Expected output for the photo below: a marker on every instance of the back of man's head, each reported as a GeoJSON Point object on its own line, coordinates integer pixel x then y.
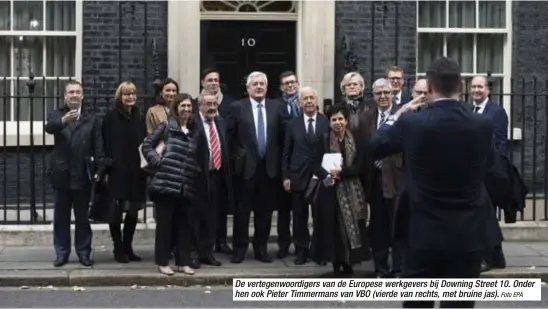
{"type": "Point", "coordinates": [444, 78]}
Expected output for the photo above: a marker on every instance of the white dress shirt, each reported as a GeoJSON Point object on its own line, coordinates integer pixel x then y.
{"type": "Point", "coordinates": [481, 106]}
{"type": "Point", "coordinates": [386, 113]}
{"type": "Point", "coordinates": [313, 122]}
{"type": "Point", "coordinates": [256, 116]}
{"type": "Point", "coordinates": [398, 98]}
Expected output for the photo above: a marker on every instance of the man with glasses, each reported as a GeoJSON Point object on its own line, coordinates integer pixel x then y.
{"type": "Point", "coordinates": [289, 85]}
{"type": "Point", "coordinates": [385, 179]}
{"type": "Point", "coordinates": [395, 76]}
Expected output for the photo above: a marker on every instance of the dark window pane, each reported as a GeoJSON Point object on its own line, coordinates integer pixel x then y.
{"type": "Point", "coordinates": [28, 55]}
{"type": "Point", "coordinates": [23, 99]}
{"type": "Point", "coordinates": [28, 15]}
{"type": "Point", "coordinates": [60, 56]}
{"type": "Point", "coordinates": [61, 15]}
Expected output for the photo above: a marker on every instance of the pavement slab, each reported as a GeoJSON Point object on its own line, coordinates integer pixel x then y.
{"type": "Point", "coordinates": [32, 266]}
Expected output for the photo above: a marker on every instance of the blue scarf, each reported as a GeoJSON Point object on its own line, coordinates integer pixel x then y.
{"type": "Point", "coordinates": [293, 101]}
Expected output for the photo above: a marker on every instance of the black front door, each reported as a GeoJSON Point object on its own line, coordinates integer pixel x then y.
{"type": "Point", "coordinates": [237, 48]}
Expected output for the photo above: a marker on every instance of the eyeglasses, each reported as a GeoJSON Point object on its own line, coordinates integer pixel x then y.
{"type": "Point", "coordinates": [386, 93]}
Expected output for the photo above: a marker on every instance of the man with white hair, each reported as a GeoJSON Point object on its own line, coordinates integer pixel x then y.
{"type": "Point", "coordinates": [385, 177]}
{"type": "Point", "coordinates": [301, 135]}
{"type": "Point", "coordinates": [255, 125]}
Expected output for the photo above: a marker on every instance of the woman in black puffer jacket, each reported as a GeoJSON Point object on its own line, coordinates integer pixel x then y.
{"type": "Point", "coordinates": [172, 188]}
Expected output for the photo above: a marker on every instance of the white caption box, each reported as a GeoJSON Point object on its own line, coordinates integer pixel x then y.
{"type": "Point", "coordinates": [386, 289]}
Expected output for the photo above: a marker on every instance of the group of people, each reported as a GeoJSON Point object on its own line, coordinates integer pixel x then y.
{"type": "Point", "coordinates": [407, 178]}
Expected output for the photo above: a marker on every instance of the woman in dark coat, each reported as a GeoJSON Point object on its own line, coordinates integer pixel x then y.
{"type": "Point", "coordinates": [123, 131]}
{"type": "Point", "coordinates": [341, 210]}
{"type": "Point", "coordinates": [173, 186]}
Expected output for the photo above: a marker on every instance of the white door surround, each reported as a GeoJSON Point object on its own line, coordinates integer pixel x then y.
{"type": "Point", "coordinates": [315, 42]}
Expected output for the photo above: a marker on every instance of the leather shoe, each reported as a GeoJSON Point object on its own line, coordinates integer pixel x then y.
{"type": "Point", "coordinates": [85, 261]}
{"type": "Point", "coordinates": [301, 258]}
{"type": "Point", "coordinates": [195, 263]}
{"type": "Point", "coordinates": [283, 253]}
{"type": "Point", "coordinates": [263, 257]}
{"type": "Point", "coordinates": [223, 248]}
{"type": "Point", "coordinates": [237, 258]}
{"type": "Point", "coordinates": [210, 260]}
{"type": "Point", "coordinates": [59, 262]}
{"type": "Point", "coordinates": [485, 267]}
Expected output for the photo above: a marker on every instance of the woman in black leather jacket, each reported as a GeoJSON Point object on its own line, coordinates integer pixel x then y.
{"type": "Point", "coordinates": [172, 188]}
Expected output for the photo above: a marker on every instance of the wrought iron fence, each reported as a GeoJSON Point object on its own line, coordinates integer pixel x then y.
{"type": "Point", "coordinates": [26, 197]}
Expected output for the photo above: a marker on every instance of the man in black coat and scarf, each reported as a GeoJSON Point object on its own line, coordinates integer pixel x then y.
{"type": "Point", "coordinates": [77, 159]}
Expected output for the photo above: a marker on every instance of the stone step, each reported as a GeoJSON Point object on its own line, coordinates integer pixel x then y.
{"type": "Point", "coordinates": [42, 235]}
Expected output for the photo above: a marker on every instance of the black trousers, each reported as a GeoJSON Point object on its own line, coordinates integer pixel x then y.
{"type": "Point", "coordinates": [380, 230]}
{"type": "Point", "coordinates": [207, 216]}
{"type": "Point", "coordinates": [64, 201]}
{"type": "Point", "coordinates": [284, 219]}
{"type": "Point", "coordinates": [301, 233]}
{"type": "Point", "coordinates": [426, 264]}
{"type": "Point", "coordinates": [172, 212]}
{"type": "Point", "coordinates": [258, 195]}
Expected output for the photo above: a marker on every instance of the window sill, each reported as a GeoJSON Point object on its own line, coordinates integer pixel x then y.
{"type": "Point", "coordinates": [18, 134]}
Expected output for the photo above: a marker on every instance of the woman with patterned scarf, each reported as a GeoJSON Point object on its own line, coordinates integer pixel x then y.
{"type": "Point", "coordinates": [341, 210]}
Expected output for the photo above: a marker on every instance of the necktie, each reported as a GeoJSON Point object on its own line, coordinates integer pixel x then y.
{"type": "Point", "coordinates": [310, 130]}
{"type": "Point", "coordinates": [382, 120]}
{"type": "Point", "coordinates": [378, 163]}
{"type": "Point", "coordinates": [261, 138]}
{"type": "Point", "coordinates": [476, 110]}
{"type": "Point", "coordinates": [394, 100]}
{"type": "Point", "coordinates": [214, 144]}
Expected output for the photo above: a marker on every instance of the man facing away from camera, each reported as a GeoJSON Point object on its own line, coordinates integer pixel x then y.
{"type": "Point", "coordinates": [448, 151]}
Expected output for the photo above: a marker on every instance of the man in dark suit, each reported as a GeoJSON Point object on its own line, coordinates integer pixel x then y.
{"type": "Point", "coordinates": [216, 188]}
{"type": "Point", "coordinates": [448, 151]}
{"type": "Point", "coordinates": [289, 85]}
{"type": "Point", "coordinates": [385, 179]}
{"type": "Point", "coordinates": [77, 151]}
{"type": "Point", "coordinates": [396, 78]}
{"type": "Point", "coordinates": [301, 135]}
{"type": "Point", "coordinates": [211, 82]}
{"type": "Point", "coordinates": [256, 126]}
{"type": "Point", "coordinates": [494, 255]}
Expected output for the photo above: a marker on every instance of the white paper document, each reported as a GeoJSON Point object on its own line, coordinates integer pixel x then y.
{"type": "Point", "coordinates": [331, 161]}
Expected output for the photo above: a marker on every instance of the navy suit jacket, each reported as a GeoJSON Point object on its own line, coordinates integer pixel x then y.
{"type": "Point", "coordinates": [405, 98]}
{"type": "Point", "coordinates": [447, 151]}
{"type": "Point", "coordinates": [497, 114]}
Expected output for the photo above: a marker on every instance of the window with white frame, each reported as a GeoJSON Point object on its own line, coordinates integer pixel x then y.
{"type": "Point", "coordinates": [41, 37]}
{"type": "Point", "coordinates": [477, 34]}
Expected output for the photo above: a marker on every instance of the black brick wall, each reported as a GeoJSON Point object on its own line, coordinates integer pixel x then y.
{"type": "Point", "coordinates": [101, 64]}
{"type": "Point", "coordinates": [386, 28]}
{"type": "Point", "coordinates": [529, 62]}
{"type": "Point", "coordinates": [368, 26]}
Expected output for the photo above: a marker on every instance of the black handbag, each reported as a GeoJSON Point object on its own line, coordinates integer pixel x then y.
{"type": "Point", "coordinates": [312, 191]}
{"type": "Point", "coordinates": [103, 207]}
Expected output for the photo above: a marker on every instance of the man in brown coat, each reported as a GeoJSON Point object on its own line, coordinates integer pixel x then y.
{"type": "Point", "coordinates": [384, 179]}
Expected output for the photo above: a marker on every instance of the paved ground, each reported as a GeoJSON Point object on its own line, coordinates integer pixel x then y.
{"type": "Point", "coordinates": [32, 266]}
{"type": "Point", "coordinates": [176, 297]}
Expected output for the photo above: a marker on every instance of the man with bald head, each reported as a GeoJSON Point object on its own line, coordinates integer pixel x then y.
{"type": "Point", "coordinates": [301, 136]}
{"type": "Point", "coordinates": [401, 213]}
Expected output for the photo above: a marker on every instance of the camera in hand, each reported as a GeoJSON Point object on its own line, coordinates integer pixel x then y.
{"type": "Point", "coordinates": [73, 105]}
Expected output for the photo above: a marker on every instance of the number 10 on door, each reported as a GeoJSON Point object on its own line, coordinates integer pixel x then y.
{"type": "Point", "coordinates": [248, 42]}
